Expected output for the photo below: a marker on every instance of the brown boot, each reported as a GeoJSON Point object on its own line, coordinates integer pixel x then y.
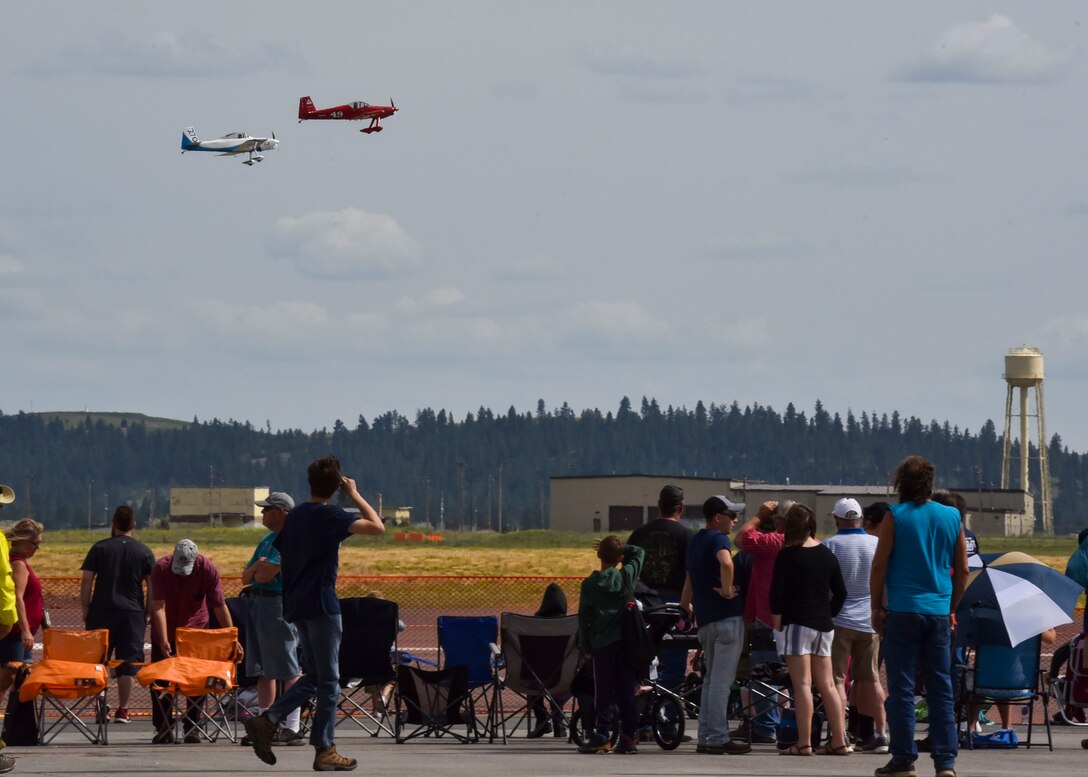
{"type": "Point", "coordinates": [261, 730]}
{"type": "Point", "coordinates": [328, 760]}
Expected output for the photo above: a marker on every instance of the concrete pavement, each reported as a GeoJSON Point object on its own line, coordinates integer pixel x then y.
{"type": "Point", "coordinates": [130, 753]}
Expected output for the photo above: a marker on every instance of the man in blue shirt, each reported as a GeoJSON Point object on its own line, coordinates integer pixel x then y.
{"type": "Point", "coordinates": [309, 546]}
{"type": "Point", "coordinates": [719, 613]}
{"type": "Point", "coordinates": [918, 577]}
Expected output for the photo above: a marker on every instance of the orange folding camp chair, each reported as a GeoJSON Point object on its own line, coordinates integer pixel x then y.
{"type": "Point", "coordinates": [71, 681]}
{"type": "Point", "coordinates": [203, 674]}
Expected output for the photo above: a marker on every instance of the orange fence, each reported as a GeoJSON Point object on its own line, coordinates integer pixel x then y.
{"type": "Point", "coordinates": [421, 598]}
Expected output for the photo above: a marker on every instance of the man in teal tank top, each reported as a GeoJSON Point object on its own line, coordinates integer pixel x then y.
{"type": "Point", "coordinates": [918, 577]}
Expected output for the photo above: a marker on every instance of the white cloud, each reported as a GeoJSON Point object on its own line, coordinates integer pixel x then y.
{"type": "Point", "coordinates": [516, 90]}
{"type": "Point", "coordinates": [527, 268]}
{"type": "Point", "coordinates": [349, 243]}
{"type": "Point", "coordinates": [436, 298]}
{"type": "Point", "coordinates": [291, 324]}
{"type": "Point", "coordinates": [9, 265]}
{"type": "Point", "coordinates": [758, 89]}
{"type": "Point", "coordinates": [614, 321]}
{"type": "Point", "coordinates": [636, 64]}
{"type": "Point", "coordinates": [993, 51]}
{"type": "Point", "coordinates": [758, 245]}
{"type": "Point", "coordinates": [165, 54]}
{"type": "Point", "coordinates": [1068, 330]}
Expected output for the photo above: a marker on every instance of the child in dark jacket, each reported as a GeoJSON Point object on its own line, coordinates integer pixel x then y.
{"type": "Point", "coordinates": [605, 595]}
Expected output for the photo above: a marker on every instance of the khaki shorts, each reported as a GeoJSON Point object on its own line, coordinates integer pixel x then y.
{"type": "Point", "coordinates": [862, 648]}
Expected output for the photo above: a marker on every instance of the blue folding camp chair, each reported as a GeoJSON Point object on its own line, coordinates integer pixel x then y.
{"type": "Point", "coordinates": [466, 641]}
{"type": "Point", "coordinates": [1009, 674]}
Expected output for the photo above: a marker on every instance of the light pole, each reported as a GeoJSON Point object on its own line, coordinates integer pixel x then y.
{"type": "Point", "coordinates": [461, 476]}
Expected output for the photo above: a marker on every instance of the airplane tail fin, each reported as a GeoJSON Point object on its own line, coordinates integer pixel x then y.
{"type": "Point", "coordinates": [305, 107]}
{"type": "Point", "coordinates": [189, 139]}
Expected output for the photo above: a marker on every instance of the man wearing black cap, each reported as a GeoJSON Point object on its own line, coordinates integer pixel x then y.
{"type": "Point", "coordinates": [665, 541]}
{"type": "Point", "coordinates": [719, 611]}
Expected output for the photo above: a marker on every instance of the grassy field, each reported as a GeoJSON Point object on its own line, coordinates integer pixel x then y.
{"type": "Point", "coordinates": [460, 553]}
{"type": "Point", "coordinates": [481, 553]}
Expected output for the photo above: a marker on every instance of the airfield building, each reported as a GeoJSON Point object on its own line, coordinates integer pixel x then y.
{"type": "Point", "coordinates": [217, 506]}
{"type": "Point", "coordinates": [620, 503]}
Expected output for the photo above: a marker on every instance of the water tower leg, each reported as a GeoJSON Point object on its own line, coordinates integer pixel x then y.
{"type": "Point", "coordinates": [1025, 442]}
{"type": "Point", "coordinates": [1007, 453]}
{"type": "Point", "coordinates": [1044, 462]}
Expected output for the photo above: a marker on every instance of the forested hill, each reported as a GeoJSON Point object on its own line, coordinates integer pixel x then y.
{"type": "Point", "coordinates": [435, 461]}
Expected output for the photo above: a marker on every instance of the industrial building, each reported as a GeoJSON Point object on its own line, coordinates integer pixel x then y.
{"type": "Point", "coordinates": [217, 506]}
{"type": "Point", "coordinates": [620, 503]}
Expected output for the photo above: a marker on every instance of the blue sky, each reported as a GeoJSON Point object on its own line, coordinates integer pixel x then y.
{"type": "Point", "coordinates": [866, 204]}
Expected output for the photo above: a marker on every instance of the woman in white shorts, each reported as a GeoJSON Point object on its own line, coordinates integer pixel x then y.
{"type": "Point", "coordinates": [807, 590]}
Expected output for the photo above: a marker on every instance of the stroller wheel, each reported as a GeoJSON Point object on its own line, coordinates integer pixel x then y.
{"type": "Point", "coordinates": [668, 723]}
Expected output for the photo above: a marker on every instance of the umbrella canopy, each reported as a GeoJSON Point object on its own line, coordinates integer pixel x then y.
{"type": "Point", "coordinates": [1030, 596]}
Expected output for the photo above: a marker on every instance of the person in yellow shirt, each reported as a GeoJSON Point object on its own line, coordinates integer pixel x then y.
{"type": "Point", "coordinates": [9, 616]}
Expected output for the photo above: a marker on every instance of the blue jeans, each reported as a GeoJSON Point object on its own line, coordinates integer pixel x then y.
{"type": "Point", "coordinates": [722, 643]}
{"type": "Point", "coordinates": [911, 640]}
{"type": "Point", "coordinates": [320, 641]}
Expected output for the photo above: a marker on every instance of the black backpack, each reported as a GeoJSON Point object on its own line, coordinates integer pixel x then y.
{"type": "Point", "coordinates": [638, 642]}
{"type": "Point", "coordinates": [20, 721]}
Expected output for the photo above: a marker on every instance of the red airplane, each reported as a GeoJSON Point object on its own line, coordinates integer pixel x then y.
{"type": "Point", "coordinates": [352, 112]}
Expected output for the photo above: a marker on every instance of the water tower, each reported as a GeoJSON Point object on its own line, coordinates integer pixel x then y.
{"type": "Point", "coordinates": [1024, 371]}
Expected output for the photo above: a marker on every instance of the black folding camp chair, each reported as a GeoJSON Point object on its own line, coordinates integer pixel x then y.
{"type": "Point", "coordinates": [540, 658]}
{"type": "Point", "coordinates": [432, 702]}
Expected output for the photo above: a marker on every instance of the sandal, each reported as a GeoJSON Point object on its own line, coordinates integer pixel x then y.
{"type": "Point", "coordinates": [796, 750]}
{"type": "Point", "coordinates": [841, 750]}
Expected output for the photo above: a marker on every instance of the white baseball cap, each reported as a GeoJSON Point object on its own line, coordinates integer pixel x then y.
{"type": "Point", "coordinates": [847, 510]}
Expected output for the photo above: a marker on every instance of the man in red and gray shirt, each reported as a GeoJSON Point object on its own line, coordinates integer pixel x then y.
{"type": "Point", "coordinates": [184, 586]}
{"type": "Point", "coordinates": [761, 538]}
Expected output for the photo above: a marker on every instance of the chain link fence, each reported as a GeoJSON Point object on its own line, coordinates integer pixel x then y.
{"type": "Point", "coordinates": [421, 600]}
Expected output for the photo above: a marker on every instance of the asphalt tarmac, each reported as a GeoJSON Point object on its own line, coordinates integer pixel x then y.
{"type": "Point", "coordinates": [131, 753]}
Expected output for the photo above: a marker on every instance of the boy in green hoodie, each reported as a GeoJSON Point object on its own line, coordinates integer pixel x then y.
{"type": "Point", "coordinates": [604, 596]}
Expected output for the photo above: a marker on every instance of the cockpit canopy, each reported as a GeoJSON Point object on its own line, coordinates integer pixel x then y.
{"type": "Point", "coordinates": [360, 105]}
{"type": "Point", "coordinates": [236, 135]}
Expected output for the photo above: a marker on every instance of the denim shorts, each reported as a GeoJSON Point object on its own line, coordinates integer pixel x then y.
{"type": "Point", "coordinates": [11, 648]}
{"type": "Point", "coordinates": [271, 642]}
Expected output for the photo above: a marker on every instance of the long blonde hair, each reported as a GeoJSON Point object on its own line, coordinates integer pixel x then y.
{"type": "Point", "coordinates": [26, 530]}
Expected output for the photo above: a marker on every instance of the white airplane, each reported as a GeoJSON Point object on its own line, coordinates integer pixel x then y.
{"type": "Point", "coordinates": [230, 145]}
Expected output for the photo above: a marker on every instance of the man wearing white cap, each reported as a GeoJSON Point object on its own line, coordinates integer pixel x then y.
{"type": "Point", "coordinates": [184, 587]}
{"type": "Point", "coordinates": [854, 638]}
{"type": "Point", "coordinates": [272, 642]}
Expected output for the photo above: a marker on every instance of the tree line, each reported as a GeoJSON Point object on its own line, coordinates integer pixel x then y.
{"type": "Point", "coordinates": [452, 471]}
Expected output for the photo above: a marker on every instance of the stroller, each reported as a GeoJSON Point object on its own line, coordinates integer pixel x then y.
{"type": "Point", "coordinates": [661, 710]}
